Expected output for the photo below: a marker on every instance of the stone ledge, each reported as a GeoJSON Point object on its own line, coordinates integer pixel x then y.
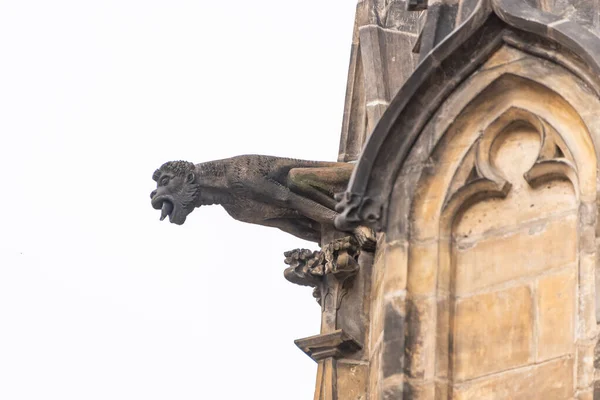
{"type": "Point", "coordinates": [336, 344]}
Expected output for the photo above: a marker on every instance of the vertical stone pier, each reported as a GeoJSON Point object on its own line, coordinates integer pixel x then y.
{"type": "Point", "coordinates": [381, 59]}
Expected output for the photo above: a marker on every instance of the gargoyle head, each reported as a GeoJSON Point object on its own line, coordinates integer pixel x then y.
{"type": "Point", "coordinates": [176, 191]}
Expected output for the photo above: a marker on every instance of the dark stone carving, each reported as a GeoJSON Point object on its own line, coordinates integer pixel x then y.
{"type": "Point", "coordinates": [305, 268]}
{"type": "Point", "coordinates": [295, 196]}
{"type": "Point", "coordinates": [336, 344]}
{"type": "Point", "coordinates": [331, 272]}
{"type": "Point", "coordinates": [309, 268]}
{"type": "Point", "coordinates": [355, 209]}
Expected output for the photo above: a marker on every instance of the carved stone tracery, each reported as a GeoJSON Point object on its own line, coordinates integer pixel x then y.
{"type": "Point", "coordinates": [483, 179]}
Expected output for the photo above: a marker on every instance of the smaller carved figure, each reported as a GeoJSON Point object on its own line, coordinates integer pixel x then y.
{"type": "Point", "coordinates": [308, 268]}
{"type": "Point", "coordinates": [295, 196]}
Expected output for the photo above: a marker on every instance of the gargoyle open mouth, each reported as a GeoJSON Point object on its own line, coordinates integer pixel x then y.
{"type": "Point", "coordinates": [166, 209]}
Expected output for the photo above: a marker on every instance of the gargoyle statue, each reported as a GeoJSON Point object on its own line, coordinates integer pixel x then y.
{"type": "Point", "coordinates": [295, 196]}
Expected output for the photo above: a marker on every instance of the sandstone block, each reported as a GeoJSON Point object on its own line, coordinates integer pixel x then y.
{"type": "Point", "coordinates": [352, 380]}
{"type": "Point", "coordinates": [587, 328]}
{"type": "Point", "coordinates": [550, 380]}
{"type": "Point", "coordinates": [393, 387]}
{"type": "Point", "coordinates": [503, 56]}
{"type": "Point", "coordinates": [375, 378]}
{"type": "Point", "coordinates": [585, 366]}
{"type": "Point", "coordinates": [396, 263]}
{"type": "Point", "coordinates": [423, 264]}
{"type": "Point", "coordinates": [419, 390]}
{"type": "Point", "coordinates": [420, 338]}
{"type": "Point", "coordinates": [556, 315]}
{"type": "Point", "coordinates": [494, 332]}
{"type": "Point", "coordinates": [502, 258]}
{"type": "Point", "coordinates": [523, 204]}
{"type": "Point", "coordinates": [392, 362]}
{"type": "Point", "coordinates": [377, 316]}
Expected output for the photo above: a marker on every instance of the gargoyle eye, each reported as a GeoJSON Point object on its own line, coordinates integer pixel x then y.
{"type": "Point", "coordinates": [164, 181]}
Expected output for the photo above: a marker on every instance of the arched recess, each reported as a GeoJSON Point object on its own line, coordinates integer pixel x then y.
{"type": "Point", "coordinates": [500, 222]}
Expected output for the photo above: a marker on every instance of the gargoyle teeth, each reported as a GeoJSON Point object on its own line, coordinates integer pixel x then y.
{"type": "Point", "coordinates": [167, 209]}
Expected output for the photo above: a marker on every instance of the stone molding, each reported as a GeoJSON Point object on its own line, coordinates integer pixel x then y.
{"type": "Point", "coordinates": [336, 344]}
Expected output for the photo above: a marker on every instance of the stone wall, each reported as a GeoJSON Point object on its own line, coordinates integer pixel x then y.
{"type": "Point", "coordinates": [483, 282]}
{"type": "Point", "coordinates": [480, 176]}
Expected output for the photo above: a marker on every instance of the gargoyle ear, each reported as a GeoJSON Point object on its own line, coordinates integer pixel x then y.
{"type": "Point", "coordinates": [190, 177]}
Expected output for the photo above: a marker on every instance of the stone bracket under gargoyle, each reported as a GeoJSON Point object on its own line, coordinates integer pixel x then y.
{"type": "Point", "coordinates": [328, 271]}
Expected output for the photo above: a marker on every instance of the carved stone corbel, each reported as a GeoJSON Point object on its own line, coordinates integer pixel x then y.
{"type": "Point", "coordinates": [330, 272]}
{"type": "Point", "coordinates": [305, 269]}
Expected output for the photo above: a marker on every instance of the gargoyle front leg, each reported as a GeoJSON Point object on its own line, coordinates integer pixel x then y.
{"type": "Point", "coordinates": [310, 209]}
{"type": "Point", "coordinates": [364, 235]}
{"type": "Point", "coordinates": [277, 194]}
{"type": "Point", "coordinates": [321, 183]}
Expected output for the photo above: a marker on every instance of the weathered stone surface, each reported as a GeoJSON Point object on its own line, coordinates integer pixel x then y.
{"type": "Point", "coordinates": [423, 261]}
{"type": "Point", "coordinates": [381, 61]}
{"type": "Point", "coordinates": [587, 395]}
{"type": "Point", "coordinates": [444, 330]}
{"type": "Point", "coordinates": [375, 375]}
{"type": "Point", "coordinates": [354, 312]}
{"type": "Point", "coordinates": [597, 390]}
{"type": "Point", "coordinates": [396, 267]}
{"type": "Point", "coordinates": [377, 297]}
{"type": "Point", "coordinates": [352, 380]}
{"type": "Point", "coordinates": [583, 11]}
{"type": "Point", "coordinates": [526, 252]}
{"type": "Point", "coordinates": [588, 293]}
{"type": "Point", "coordinates": [585, 365]}
{"type": "Point", "coordinates": [494, 332]}
{"type": "Point", "coordinates": [550, 380]}
{"type": "Point", "coordinates": [508, 55]}
{"type": "Point", "coordinates": [440, 21]}
{"type": "Point", "coordinates": [393, 387]}
{"type": "Point", "coordinates": [556, 315]}
{"type": "Point", "coordinates": [394, 336]}
{"type": "Point", "coordinates": [336, 344]}
{"type": "Point", "coordinates": [522, 205]}
{"type": "Point", "coordinates": [420, 337]}
{"type": "Point", "coordinates": [419, 390]}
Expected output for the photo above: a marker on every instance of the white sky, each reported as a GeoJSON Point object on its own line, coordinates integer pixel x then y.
{"type": "Point", "coordinates": [98, 299]}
